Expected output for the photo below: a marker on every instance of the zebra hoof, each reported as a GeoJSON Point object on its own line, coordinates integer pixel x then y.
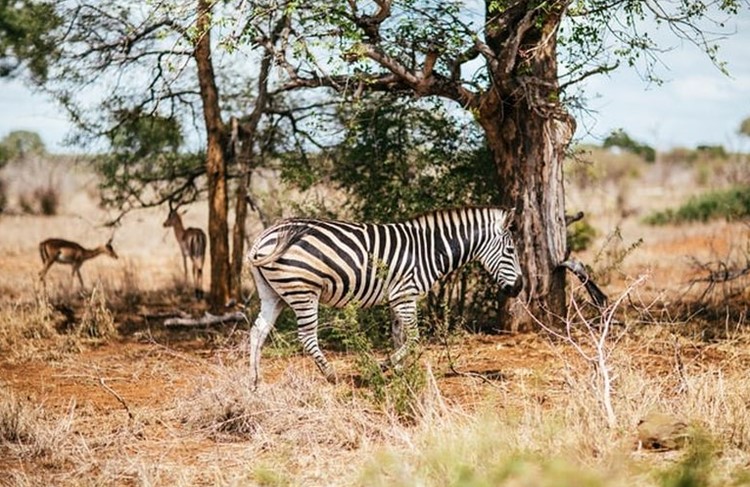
{"type": "Point", "coordinates": [386, 365]}
{"type": "Point", "coordinates": [331, 377]}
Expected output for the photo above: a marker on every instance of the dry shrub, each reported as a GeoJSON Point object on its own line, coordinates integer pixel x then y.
{"type": "Point", "coordinates": [16, 420]}
{"type": "Point", "coordinates": [26, 432]}
{"type": "Point", "coordinates": [296, 409]}
{"type": "Point", "coordinates": [48, 199]}
{"type": "Point", "coordinates": [97, 320]}
{"type": "Point", "coordinates": [41, 200]}
{"type": "Point", "coordinates": [39, 183]}
{"type": "Point", "coordinates": [26, 328]}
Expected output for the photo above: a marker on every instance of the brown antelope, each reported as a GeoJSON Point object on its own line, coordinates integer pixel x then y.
{"type": "Point", "coordinates": [66, 252]}
{"type": "Point", "coordinates": [192, 244]}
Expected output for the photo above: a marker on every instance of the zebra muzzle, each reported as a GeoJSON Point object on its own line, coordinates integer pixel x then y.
{"type": "Point", "coordinates": [514, 289]}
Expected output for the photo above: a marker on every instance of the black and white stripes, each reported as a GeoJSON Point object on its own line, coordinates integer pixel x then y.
{"type": "Point", "coordinates": [304, 262]}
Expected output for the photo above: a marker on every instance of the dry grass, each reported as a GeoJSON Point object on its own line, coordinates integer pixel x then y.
{"type": "Point", "coordinates": [94, 390]}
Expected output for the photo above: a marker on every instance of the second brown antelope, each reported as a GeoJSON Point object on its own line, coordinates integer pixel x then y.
{"type": "Point", "coordinates": [192, 244]}
{"type": "Point", "coordinates": [66, 252]}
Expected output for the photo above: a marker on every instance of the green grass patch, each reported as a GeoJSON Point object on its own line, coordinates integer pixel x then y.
{"type": "Point", "coordinates": [732, 203]}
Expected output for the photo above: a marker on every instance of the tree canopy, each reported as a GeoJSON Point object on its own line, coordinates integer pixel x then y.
{"type": "Point", "coordinates": [25, 40]}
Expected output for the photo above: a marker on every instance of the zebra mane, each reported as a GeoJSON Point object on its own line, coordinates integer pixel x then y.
{"type": "Point", "coordinates": [507, 213]}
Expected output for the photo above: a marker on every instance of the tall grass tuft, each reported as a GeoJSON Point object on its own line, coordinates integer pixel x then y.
{"type": "Point", "coordinates": [26, 432]}
{"type": "Point", "coordinates": [26, 328]}
{"type": "Point", "coordinates": [97, 320]}
{"type": "Point", "coordinates": [16, 420]}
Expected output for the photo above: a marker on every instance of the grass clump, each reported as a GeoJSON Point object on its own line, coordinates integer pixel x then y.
{"type": "Point", "coordinates": [732, 203]}
{"type": "Point", "coordinates": [485, 450]}
{"type": "Point", "coordinates": [695, 468]}
{"type": "Point", "coordinates": [16, 420]}
{"type": "Point", "coordinates": [27, 328]}
{"type": "Point", "coordinates": [98, 320]}
{"type": "Point", "coordinates": [26, 432]}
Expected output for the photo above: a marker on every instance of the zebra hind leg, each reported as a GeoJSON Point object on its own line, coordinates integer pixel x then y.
{"type": "Point", "coordinates": [270, 307]}
{"type": "Point", "coordinates": [405, 324]}
{"type": "Point", "coordinates": [307, 331]}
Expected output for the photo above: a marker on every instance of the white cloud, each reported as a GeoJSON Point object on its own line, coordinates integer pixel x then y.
{"type": "Point", "coordinates": [707, 88]}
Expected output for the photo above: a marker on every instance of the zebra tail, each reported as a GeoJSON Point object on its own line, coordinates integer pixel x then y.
{"type": "Point", "coordinates": [287, 237]}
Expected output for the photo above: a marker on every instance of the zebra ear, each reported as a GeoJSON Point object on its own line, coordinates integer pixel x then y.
{"type": "Point", "coordinates": [510, 220]}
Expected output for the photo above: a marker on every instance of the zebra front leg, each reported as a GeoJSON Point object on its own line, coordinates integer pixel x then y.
{"type": "Point", "coordinates": [398, 336]}
{"type": "Point", "coordinates": [269, 312]}
{"type": "Point", "coordinates": [307, 331]}
{"type": "Point", "coordinates": [405, 323]}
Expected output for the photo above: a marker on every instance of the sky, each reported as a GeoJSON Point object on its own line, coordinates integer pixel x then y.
{"type": "Point", "coordinates": [696, 105]}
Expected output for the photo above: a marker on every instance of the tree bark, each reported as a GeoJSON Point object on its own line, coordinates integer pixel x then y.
{"type": "Point", "coordinates": [218, 228]}
{"type": "Point", "coordinates": [527, 132]}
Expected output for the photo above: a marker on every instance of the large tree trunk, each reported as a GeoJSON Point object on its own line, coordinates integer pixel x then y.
{"type": "Point", "coordinates": [529, 164]}
{"type": "Point", "coordinates": [527, 132]}
{"type": "Point", "coordinates": [218, 228]}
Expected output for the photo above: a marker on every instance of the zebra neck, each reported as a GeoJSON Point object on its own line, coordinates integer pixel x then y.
{"type": "Point", "coordinates": [462, 250]}
{"type": "Point", "coordinates": [452, 249]}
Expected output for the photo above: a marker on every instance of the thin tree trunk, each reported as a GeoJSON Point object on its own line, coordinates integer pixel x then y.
{"type": "Point", "coordinates": [245, 133]}
{"type": "Point", "coordinates": [218, 228]}
{"type": "Point", "coordinates": [243, 155]}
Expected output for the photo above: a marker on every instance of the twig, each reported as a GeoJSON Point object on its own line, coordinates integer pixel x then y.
{"type": "Point", "coordinates": [207, 319]}
{"type": "Point", "coordinates": [680, 366]}
{"type": "Point", "coordinates": [117, 396]}
{"type": "Point", "coordinates": [597, 338]}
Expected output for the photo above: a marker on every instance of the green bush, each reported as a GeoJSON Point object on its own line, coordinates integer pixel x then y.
{"type": "Point", "coordinates": [731, 204]}
{"type": "Point", "coordinates": [580, 235]}
{"type": "Point", "coordinates": [618, 138]}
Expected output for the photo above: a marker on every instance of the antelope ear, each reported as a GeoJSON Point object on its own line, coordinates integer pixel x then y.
{"type": "Point", "coordinates": [182, 212]}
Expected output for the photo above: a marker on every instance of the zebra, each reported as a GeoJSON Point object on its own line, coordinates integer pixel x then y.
{"type": "Point", "coordinates": [303, 262]}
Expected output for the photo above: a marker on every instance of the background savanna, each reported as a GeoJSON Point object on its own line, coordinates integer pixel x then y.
{"type": "Point", "coordinates": [97, 390]}
{"type": "Point", "coordinates": [352, 110]}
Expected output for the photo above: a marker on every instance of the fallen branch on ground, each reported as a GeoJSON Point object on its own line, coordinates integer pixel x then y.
{"type": "Point", "coordinates": [207, 319]}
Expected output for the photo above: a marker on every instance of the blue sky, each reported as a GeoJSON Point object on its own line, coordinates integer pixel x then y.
{"type": "Point", "coordinates": [697, 104]}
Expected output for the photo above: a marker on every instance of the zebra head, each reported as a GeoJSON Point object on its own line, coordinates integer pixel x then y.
{"type": "Point", "coordinates": [499, 257]}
